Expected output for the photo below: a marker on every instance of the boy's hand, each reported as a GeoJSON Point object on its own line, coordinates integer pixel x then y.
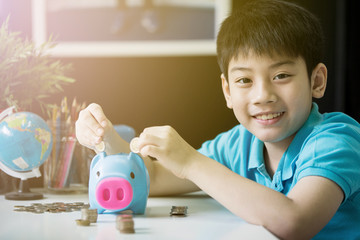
{"type": "Point", "coordinates": [92, 126]}
{"type": "Point", "coordinates": [167, 146]}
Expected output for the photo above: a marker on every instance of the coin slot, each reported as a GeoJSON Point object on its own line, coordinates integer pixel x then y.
{"type": "Point", "coordinates": [106, 194]}
{"type": "Point", "coordinates": [132, 175]}
{"type": "Point", "coordinates": [120, 194]}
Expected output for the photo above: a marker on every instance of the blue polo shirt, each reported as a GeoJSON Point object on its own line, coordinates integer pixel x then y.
{"type": "Point", "coordinates": [327, 145]}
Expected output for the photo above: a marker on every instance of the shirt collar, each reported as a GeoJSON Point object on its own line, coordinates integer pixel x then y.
{"type": "Point", "coordinates": [287, 163]}
{"type": "Point", "coordinates": [291, 154]}
{"type": "Point", "coordinates": [256, 158]}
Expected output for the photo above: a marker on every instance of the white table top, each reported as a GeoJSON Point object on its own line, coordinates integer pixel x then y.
{"type": "Point", "coordinates": [206, 219]}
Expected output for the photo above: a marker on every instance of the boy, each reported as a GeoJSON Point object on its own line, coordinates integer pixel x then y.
{"type": "Point", "coordinates": [286, 166]}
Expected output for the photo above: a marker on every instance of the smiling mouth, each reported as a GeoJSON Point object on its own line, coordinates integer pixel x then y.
{"type": "Point", "coordinates": [269, 116]}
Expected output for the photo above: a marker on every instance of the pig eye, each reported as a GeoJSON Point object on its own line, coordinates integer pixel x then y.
{"type": "Point", "coordinates": [132, 175]}
{"type": "Point", "coordinates": [98, 173]}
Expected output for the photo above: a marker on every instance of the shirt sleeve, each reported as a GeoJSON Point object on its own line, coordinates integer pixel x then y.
{"type": "Point", "coordinates": [231, 148]}
{"type": "Point", "coordinates": [217, 148]}
{"type": "Point", "coordinates": [333, 152]}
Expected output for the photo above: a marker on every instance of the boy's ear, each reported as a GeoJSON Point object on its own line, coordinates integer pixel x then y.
{"type": "Point", "coordinates": [226, 91]}
{"type": "Point", "coordinates": [319, 80]}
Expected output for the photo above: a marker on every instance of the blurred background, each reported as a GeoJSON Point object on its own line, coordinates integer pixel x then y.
{"type": "Point", "coordinates": [141, 86]}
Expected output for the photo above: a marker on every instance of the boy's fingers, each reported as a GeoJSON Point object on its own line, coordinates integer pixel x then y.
{"type": "Point", "coordinates": [89, 130]}
{"type": "Point", "coordinates": [98, 114]}
{"type": "Point", "coordinates": [149, 151]}
{"type": "Point", "coordinates": [88, 137]}
{"type": "Point", "coordinates": [85, 132]}
{"type": "Point", "coordinates": [87, 120]}
{"type": "Point", "coordinates": [149, 138]}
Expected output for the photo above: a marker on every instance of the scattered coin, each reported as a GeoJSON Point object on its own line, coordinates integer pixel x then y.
{"type": "Point", "coordinates": [89, 214]}
{"type": "Point", "coordinates": [100, 147]}
{"type": "Point", "coordinates": [39, 211]}
{"type": "Point", "coordinates": [56, 207]}
{"type": "Point", "coordinates": [82, 222]}
{"type": "Point", "coordinates": [178, 211]}
{"type": "Point", "coordinates": [20, 208]}
{"type": "Point", "coordinates": [134, 145]}
{"type": "Point", "coordinates": [125, 223]}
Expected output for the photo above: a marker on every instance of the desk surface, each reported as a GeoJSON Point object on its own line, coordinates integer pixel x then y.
{"type": "Point", "coordinates": [206, 219]}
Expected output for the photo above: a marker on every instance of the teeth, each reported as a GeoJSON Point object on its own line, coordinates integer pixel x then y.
{"type": "Point", "coordinates": [268, 116]}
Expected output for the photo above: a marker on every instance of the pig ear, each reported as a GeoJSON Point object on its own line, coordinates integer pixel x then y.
{"type": "Point", "coordinates": [97, 158]}
{"type": "Point", "coordinates": [135, 157]}
{"type": "Point", "coordinates": [132, 156]}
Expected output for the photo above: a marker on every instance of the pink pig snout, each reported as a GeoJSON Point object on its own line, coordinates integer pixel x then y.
{"type": "Point", "coordinates": [114, 193]}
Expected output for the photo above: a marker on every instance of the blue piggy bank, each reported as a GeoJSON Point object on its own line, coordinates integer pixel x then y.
{"type": "Point", "coordinates": [118, 182]}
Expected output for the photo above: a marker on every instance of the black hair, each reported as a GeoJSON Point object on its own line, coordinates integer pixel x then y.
{"type": "Point", "coordinates": [268, 27]}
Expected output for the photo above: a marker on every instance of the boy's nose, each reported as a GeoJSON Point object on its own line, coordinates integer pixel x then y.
{"type": "Point", "coordinates": [263, 93]}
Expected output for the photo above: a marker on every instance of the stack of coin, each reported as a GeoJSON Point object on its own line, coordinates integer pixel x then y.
{"type": "Point", "coordinates": [89, 214]}
{"type": "Point", "coordinates": [82, 222]}
{"type": "Point", "coordinates": [125, 223]}
{"type": "Point", "coordinates": [178, 211]}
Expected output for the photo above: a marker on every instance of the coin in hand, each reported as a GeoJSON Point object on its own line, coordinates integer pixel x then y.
{"type": "Point", "coordinates": [134, 145]}
{"type": "Point", "coordinates": [100, 147]}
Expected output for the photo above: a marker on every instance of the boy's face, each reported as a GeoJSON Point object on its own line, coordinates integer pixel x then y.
{"type": "Point", "coordinates": [271, 97]}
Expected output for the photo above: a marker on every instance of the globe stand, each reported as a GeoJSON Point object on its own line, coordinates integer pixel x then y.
{"type": "Point", "coordinates": [23, 193]}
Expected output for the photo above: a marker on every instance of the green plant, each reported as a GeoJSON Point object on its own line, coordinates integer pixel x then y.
{"type": "Point", "coordinates": [28, 73]}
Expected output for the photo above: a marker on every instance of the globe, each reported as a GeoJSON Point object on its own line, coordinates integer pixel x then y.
{"type": "Point", "coordinates": [25, 143]}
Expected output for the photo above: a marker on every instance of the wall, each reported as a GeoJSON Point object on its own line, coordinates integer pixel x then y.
{"type": "Point", "coordinates": [184, 92]}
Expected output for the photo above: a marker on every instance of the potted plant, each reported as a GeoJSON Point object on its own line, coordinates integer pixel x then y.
{"type": "Point", "coordinates": [28, 74]}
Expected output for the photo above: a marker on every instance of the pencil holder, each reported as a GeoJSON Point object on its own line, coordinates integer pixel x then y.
{"type": "Point", "coordinates": [67, 168]}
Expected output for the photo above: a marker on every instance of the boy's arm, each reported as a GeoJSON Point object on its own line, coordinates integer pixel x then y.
{"type": "Point", "coordinates": [163, 182]}
{"type": "Point", "coordinates": [303, 213]}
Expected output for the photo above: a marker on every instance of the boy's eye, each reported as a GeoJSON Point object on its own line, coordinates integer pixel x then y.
{"type": "Point", "coordinates": [281, 76]}
{"type": "Point", "coordinates": [243, 80]}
